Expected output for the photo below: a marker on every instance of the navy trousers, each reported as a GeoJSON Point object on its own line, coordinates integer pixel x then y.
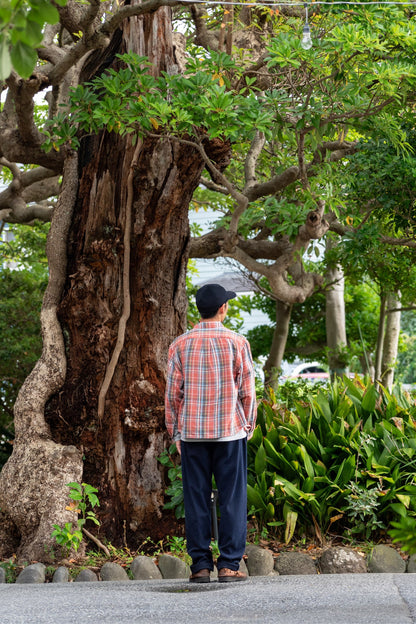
{"type": "Point", "coordinates": [227, 461]}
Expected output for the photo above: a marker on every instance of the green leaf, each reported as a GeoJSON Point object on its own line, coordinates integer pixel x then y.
{"type": "Point", "coordinates": [307, 461]}
{"type": "Point", "coordinates": [369, 398]}
{"type": "Point", "coordinates": [254, 498]}
{"type": "Point", "coordinates": [291, 519]}
{"type": "Point", "coordinates": [33, 33]}
{"type": "Point", "coordinates": [89, 488]}
{"type": "Point", "coordinates": [269, 513]}
{"type": "Point", "coordinates": [24, 59]}
{"type": "Point", "coordinates": [5, 60]}
{"type": "Point", "coordinates": [75, 495]}
{"type": "Point", "coordinates": [405, 499]}
{"type": "Point", "coordinates": [260, 461]}
{"type": "Point", "coordinates": [75, 486]}
{"type": "Point", "coordinates": [44, 11]}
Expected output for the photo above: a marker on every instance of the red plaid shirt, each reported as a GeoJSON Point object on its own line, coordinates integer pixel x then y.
{"type": "Point", "coordinates": [210, 389]}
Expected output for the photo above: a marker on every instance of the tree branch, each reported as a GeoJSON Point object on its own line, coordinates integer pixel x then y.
{"type": "Point", "coordinates": [210, 184]}
{"type": "Point", "coordinates": [25, 198]}
{"type": "Point", "coordinates": [252, 157]}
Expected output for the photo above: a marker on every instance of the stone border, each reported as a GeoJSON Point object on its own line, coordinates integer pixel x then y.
{"type": "Point", "coordinates": [257, 562]}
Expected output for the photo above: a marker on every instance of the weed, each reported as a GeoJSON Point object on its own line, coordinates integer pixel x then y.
{"type": "Point", "coordinates": [81, 495]}
{"type": "Point", "coordinates": [361, 510]}
{"type": "Point", "coordinates": [11, 569]}
{"type": "Point", "coordinates": [174, 490]}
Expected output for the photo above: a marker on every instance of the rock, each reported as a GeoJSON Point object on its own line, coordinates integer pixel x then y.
{"type": "Point", "coordinates": [411, 564]}
{"type": "Point", "coordinates": [259, 561]}
{"type": "Point", "coordinates": [342, 561]}
{"type": "Point", "coordinates": [294, 563]}
{"type": "Point", "coordinates": [86, 576]}
{"type": "Point", "coordinates": [173, 568]}
{"type": "Point", "coordinates": [2, 575]}
{"type": "Point", "coordinates": [144, 569]}
{"type": "Point", "coordinates": [34, 573]}
{"type": "Point", "coordinates": [113, 572]}
{"type": "Point", "coordinates": [61, 575]}
{"type": "Point", "coordinates": [242, 567]}
{"type": "Point", "coordinates": [385, 559]}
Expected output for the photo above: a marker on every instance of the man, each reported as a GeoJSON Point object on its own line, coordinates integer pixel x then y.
{"type": "Point", "coordinates": [210, 411]}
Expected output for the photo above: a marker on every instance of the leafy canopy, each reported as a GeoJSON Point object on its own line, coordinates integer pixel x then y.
{"type": "Point", "coordinates": [21, 32]}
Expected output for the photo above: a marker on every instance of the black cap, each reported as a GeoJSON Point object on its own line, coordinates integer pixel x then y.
{"type": "Point", "coordinates": [211, 297]}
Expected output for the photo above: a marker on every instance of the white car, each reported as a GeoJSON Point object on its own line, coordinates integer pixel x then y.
{"type": "Point", "coordinates": [311, 371]}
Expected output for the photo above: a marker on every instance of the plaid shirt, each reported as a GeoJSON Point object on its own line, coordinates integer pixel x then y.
{"type": "Point", "coordinates": [210, 384]}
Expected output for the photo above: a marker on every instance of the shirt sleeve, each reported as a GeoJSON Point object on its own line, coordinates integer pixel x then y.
{"type": "Point", "coordinates": [174, 394]}
{"type": "Point", "coordinates": [247, 389]}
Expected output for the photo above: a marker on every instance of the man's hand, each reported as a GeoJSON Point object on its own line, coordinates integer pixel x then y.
{"type": "Point", "coordinates": [178, 446]}
{"type": "Point", "coordinates": [247, 428]}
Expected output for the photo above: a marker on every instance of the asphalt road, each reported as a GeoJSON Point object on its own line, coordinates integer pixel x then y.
{"type": "Point", "coordinates": [320, 599]}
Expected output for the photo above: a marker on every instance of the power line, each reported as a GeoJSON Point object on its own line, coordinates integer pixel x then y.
{"type": "Point", "coordinates": [301, 4]}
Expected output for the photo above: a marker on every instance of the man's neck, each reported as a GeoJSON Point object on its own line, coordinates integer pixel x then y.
{"type": "Point", "coordinates": [214, 319]}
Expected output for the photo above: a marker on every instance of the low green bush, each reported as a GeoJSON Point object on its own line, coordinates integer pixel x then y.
{"type": "Point", "coordinates": [343, 459]}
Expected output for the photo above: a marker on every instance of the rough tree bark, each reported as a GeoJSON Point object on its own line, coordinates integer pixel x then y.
{"type": "Point", "coordinates": [120, 447]}
{"type": "Point", "coordinates": [273, 365]}
{"type": "Point", "coordinates": [32, 483]}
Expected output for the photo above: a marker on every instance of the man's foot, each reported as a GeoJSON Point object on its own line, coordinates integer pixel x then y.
{"type": "Point", "coordinates": [225, 575]}
{"type": "Point", "coordinates": [202, 576]}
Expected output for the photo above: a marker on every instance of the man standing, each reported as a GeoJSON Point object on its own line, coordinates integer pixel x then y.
{"type": "Point", "coordinates": [210, 410]}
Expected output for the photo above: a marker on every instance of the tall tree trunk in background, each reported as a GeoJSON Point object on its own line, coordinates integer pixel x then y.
{"type": "Point", "coordinates": [336, 334]}
{"type": "Point", "coordinates": [391, 340]}
{"type": "Point", "coordinates": [115, 451]}
{"type": "Point", "coordinates": [273, 365]}
{"type": "Point", "coordinates": [380, 337]}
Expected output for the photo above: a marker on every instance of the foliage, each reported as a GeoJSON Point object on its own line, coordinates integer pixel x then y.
{"type": "Point", "coordinates": [21, 32]}
{"type": "Point", "coordinates": [404, 532]}
{"type": "Point", "coordinates": [307, 466]}
{"type": "Point", "coordinates": [361, 510]}
{"type": "Point", "coordinates": [293, 391]}
{"type": "Point", "coordinates": [11, 568]}
{"type": "Point", "coordinates": [179, 104]}
{"type": "Point", "coordinates": [362, 62]}
{"type": "Point", "coordinates": [82, 496]}
{"type": "Point", "coordinates": [381, 209]}
{"type": "Point", "coordinates": [406, 361]}
{"type": "Point", "coordinates": [307, 332]}
{"type": "Point", "coordinates": [406, 365]}
{"type": "Point", "coordinates": [21, 294]}
{"type": "Point", "coordinates": [174, 491]}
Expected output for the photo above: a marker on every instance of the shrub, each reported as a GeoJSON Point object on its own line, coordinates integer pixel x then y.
{"type": "Point", "coordinates": [344, 456]}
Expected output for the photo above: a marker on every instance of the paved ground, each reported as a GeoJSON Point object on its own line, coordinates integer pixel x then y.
{"type": "Point", "coordinates": [320, 599]}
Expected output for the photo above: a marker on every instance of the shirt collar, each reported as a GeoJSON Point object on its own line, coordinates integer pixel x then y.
{"type": "Point", "coordinates": [206, 324]}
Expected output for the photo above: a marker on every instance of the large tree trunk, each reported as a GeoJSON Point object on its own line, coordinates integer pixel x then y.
{"type": "Point", "coordinates": [391, 340]}
{"type": "Point", "coordinates": [121, 445]}
{"type": "Point", "coordinates": [273, 365]}
{"type": "Point", "coordinates": [336, 335]}
{"type": "Point", "coordinates": [124, 292]}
